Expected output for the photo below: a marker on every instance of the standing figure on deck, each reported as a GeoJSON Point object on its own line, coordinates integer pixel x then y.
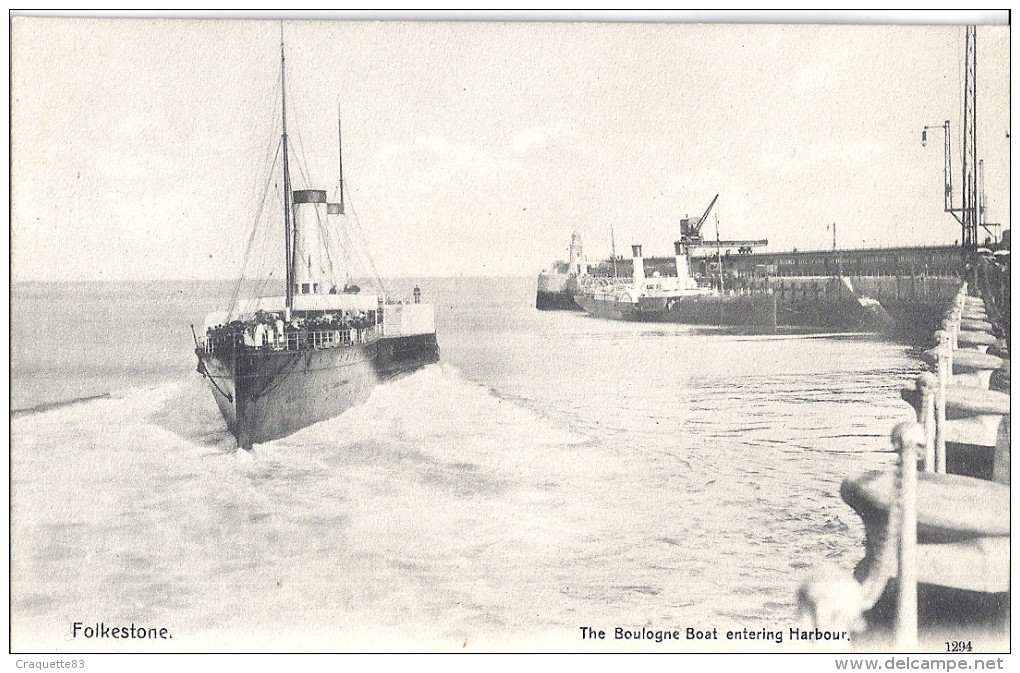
{"type": "Point", "coordinates": [417, 294]}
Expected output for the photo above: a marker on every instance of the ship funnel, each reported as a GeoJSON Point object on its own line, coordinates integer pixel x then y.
{"type": "Point", "coordinates": [309, 218]}
{"type": "Point", "coordinates": [639, 266]}
{"type": "Point", "coordinates": [683, 271]}
{"type": "Point", "coordinates": [576, 255]}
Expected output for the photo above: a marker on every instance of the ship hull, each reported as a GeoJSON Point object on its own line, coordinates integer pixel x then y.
{"type": "Point", "coordinates": [754, 311]}
{"type": "Point", "coordinates": [403, 355]}
{"type": "Point", "coordinates": [906, 308]}
{"type": "Point", "coordinates": [268, 394]}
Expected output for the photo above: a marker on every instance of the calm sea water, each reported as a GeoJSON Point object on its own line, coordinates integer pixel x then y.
{"type": "Point", "coordinates": [553, 471]}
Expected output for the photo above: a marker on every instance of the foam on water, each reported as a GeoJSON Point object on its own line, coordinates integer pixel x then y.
{"type": "Point", "coordinates": [417, 505]}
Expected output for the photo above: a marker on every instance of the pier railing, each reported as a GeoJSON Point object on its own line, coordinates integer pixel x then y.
{"type": "Point", "coordinates": [290, 341]}
{"type": "Point", "coordinates": [959, 445]}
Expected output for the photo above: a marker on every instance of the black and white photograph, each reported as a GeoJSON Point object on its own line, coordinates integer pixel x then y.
{"type": "Point", "coordinates": [564, 332]}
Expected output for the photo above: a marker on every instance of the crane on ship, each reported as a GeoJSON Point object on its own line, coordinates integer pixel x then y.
{"type": "Point", "coordinates": [691, 238]}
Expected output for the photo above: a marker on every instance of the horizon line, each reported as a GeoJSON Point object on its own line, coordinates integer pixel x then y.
{"type": "Point", "coordinates": [254, 280]}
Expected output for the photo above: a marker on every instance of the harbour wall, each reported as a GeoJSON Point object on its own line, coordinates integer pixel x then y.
{"type": "Point", "coordinates": [903, 261]}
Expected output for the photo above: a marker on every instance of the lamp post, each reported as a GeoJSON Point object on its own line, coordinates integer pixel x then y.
{"type": "Point", "coordinates": [947, 170]}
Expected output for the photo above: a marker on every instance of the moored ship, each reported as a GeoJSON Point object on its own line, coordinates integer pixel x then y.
{"type": "Point", "coordinates": [837, 290]}
{"type": "Point", "coordinates": [279, 363]}
{"type": "Point", "coordinates": [680, 298]}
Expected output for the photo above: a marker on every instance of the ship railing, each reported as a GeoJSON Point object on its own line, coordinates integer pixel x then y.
{"type": "Point", "coordinates": [604, 284]}
{"type": "Point", "coordinates": [291, 341]}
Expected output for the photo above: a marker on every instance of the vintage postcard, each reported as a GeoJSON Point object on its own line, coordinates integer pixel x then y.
{"type": "Point", "coordinates": [509, 336]}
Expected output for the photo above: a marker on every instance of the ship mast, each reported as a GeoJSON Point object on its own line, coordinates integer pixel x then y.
{"type": "Point", "coordinates": [287, 224]}
{"type": "Point", "coordinates": [718, 254]}
{"type": "Point", "coordinates": [612, 239]}
{"type": "Point", "coordinates": [340, 145]}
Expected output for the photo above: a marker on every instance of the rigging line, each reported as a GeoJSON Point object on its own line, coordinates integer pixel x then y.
{"type": "Point", "coordinates": [251, 256]}
{"type": "Point", "coordinates": [264, 166]}
{"type": "Point", "coordinates": [334, 238]}
{"type": "Point", "coordinates": [255, 253]}
{"type": "Point", "coordinates": [357, 251]}
{"type": "Point", "coordinates": [262, 285]}
{"type": "Point", "coordinates": [338, 265]}
{"type": "Point", "coordinates": [355, 267]}
{"type": "Point", "coordinates": [345, 248]}
{"type": "Point", "coordinates": [299, 156]}
{"type": "Point", "coordinates": [357, 222]}
{"type": "Point", "coordinates": [261, 262]}
{"type": "Point", "coordinates": [267, 259]}
{"type": "Point", "coordinates": [361, 250]}
{"type": "Point", "coordinates": [272, 155]}
{"type": "Point", "coordinates": [341, 235]}
{"type": "Point", "coordinates": [265, 169]}
{"type": "Point", "coordinates": [273, 124]}
{"type": "Point", "coordinates": [254, 231]}
{"type": "Point", "coordinates": [322, 227]}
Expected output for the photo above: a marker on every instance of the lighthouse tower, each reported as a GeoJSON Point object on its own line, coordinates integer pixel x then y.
{"type": "Point", "coordinates": [577, 266]}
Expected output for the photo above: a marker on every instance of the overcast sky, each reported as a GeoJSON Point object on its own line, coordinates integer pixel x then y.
{"type": "Point", "coordinates": [138, 146]}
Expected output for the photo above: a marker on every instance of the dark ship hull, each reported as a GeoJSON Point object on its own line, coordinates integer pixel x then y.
{"type": "Point", "coordinates": [758, 311]}
{"type": "Point", "coordinates": [755, 311]}
{"type": "Point", "coordinates": [268, 394]}
{"type": "Point", "coordinates": [901, 307]}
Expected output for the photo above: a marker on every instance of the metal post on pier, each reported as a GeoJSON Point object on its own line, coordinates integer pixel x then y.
{"type": "Point", "coordinates": [944, 374]}
{"type": "Point", "coordinates": [927, 387]}
{"type": "Point", "coordinates": [907, 438]}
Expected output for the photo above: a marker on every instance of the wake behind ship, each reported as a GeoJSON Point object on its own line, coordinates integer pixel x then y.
{"type": "Point", "coordinates": [279, 363]}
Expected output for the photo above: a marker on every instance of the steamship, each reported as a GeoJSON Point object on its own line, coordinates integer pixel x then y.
{"type": "Point", "coordinates": [679, 298]}
{"type": "Point", "coordinates": [698, 292]}
{"type": "Point", "coordinates": [279, 363]}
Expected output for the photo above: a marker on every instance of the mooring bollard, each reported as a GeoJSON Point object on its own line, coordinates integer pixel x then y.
{"type": "Point", "coordinates": [977, 341]}
{"type": "Point", "coordinates": [971, 369]}
{"type": "Point", "coordinates": [973, 313]}
{"type": "Point", "coordinates": [976, 325]}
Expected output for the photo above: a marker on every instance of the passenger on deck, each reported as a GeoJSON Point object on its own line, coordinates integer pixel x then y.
{"type": "Point", "coordinates": [417, 294]}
